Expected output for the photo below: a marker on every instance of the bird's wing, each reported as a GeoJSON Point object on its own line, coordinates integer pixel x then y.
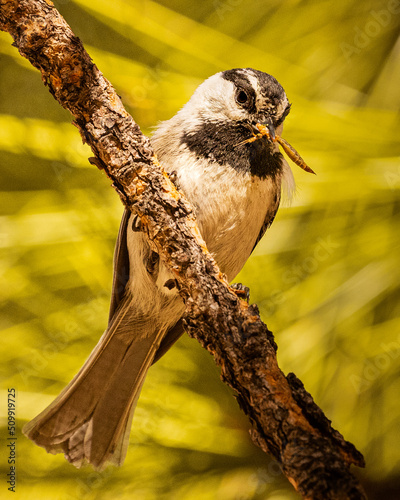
{"type": "Point", "coordinates": [90, 420]}
{"type": "Point", "coordinates": [269, 219]}
{"type": "Point", "coordinates": [169, 339]}
{"type": "Point", "coordinates": [121, 265]}
{"type": "Point", "coordinates": [120, 279]}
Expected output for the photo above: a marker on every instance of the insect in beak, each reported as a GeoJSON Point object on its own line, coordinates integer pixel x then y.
{"type": "Point", "coordinates": [268, 126]}
{"type": "Point", "coordinates": [269, 132]}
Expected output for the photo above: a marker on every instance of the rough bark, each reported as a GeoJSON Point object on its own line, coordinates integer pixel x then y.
{"type": "Point", "coordinates": [285, 420]}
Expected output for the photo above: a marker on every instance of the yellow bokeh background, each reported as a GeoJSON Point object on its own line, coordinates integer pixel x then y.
{"type": "Point", "coordinates": [325, 277]}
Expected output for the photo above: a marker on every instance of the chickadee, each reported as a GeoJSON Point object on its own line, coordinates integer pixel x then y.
{"type": "Point", "coordinates": [222, 149]}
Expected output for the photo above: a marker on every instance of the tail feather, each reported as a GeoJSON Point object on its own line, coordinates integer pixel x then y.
{"type": "Point", "coordinates": [90, 420]}
{"type": "Point", "coordinates": [110, 424]}
{"type": "Point", "coordinates": [73, 447]}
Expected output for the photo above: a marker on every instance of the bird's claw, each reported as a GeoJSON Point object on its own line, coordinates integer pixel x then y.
{"type": "Point", "coordinates": [242, 291]}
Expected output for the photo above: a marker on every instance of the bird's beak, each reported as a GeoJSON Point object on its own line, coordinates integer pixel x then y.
{"type": "Point", "coordinates": [267, 129]}
{"type": "Point", "coordinates": [269, 125]}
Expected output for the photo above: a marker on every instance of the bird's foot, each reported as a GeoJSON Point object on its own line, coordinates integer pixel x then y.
{"type": "Point", "coordinates": [242, 291]}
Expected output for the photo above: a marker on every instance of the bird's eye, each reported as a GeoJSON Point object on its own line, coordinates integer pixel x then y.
{"type": "Point", "coordinates": [242, 97]}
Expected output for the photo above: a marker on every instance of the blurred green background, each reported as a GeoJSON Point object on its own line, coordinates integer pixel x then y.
{"type": "Point", "coordinates": [326, 276]}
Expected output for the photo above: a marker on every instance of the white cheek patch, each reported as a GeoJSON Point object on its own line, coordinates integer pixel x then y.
{"type": "Point", "coordinates": [219, 104]}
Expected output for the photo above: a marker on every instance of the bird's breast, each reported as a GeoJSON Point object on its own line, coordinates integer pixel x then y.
{"type": "Point", "coordinates": [231, 208]}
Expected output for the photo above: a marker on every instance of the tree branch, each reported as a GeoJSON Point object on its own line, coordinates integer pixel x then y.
{"type": "Point", "coordinates": [285, 420]}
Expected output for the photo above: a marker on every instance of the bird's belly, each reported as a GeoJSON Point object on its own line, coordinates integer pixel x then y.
{"type": "Point", "coordinates": [231, 208]}
{"type": "Point", "coordinates": [231, 230]}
